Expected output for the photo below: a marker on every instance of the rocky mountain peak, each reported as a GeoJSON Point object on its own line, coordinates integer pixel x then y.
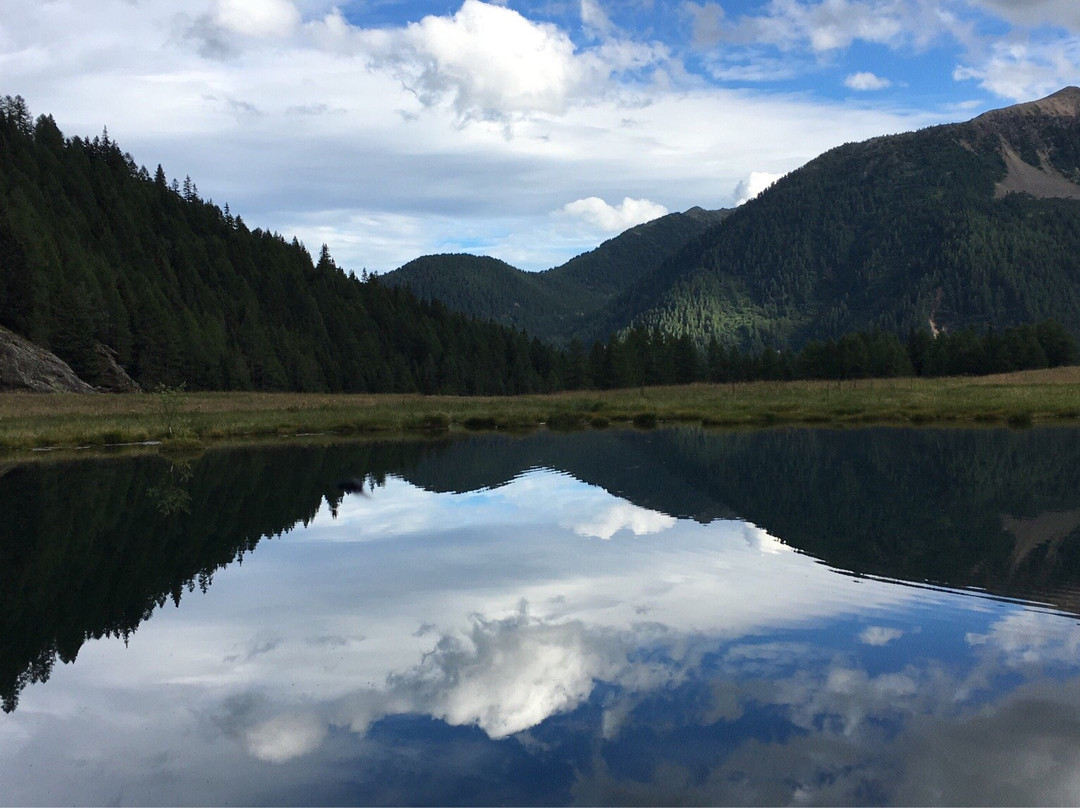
{"type": "Point", "coordinates": [1065, 103]}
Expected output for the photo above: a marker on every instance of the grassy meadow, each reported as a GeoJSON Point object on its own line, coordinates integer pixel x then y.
{"type": "Point", "coordinates": [178, 418]}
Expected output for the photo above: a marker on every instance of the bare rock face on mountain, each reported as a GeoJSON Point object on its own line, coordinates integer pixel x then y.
{"type": "Point", "coordinates": [1037, 142]}
{"type": "Point", "coordinates": [111, 377]}
{"type": "Point", "coordinates": [26, 367]}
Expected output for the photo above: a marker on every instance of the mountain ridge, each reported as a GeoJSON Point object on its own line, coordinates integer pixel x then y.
{"type": "Point", "coordinates": [1063, 103]}
{"type": "Point", "coordinates": [889, 233]}
{"type": "Point", "coordinates": [969, 224]}
{"type": "Point", "coordinates": [561, 303]}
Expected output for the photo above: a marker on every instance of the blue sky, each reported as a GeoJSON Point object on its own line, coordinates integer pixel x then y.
{"type": "Point", "coordinates": [530, 131]}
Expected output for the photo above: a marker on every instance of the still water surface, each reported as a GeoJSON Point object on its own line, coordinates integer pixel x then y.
{"type": "Point", "coordinates": [868, 617]}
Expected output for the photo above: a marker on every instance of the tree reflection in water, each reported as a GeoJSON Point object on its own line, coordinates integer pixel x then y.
{"type": "Point", "coordinates": [667, 685]}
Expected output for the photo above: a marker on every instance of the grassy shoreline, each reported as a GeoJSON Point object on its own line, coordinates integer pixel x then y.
{"type": "Point", "coordinates": [29, 421]}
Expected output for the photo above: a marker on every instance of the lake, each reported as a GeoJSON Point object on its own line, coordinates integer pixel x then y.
{"type": "Point", "coordinates": [883, 616]}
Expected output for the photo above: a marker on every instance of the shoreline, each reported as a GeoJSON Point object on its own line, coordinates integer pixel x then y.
{"type": "Point", "coordinates": [178, 419]}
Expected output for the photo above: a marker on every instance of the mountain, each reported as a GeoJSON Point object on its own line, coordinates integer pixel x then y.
{"type": "Point", "coordinates": [974, 224]}
{"type": "Point", "coordinates": [482, 287]}
{"type": "Point", "coordinates": [101, 258]}
{"type": "Point", "coordinates": [561, 303]}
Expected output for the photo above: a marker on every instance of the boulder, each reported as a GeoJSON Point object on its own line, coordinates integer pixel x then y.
{"type": "Point", "coordinates": [26, 367]}
{"type": "Point", "coordinates": [111, 377]}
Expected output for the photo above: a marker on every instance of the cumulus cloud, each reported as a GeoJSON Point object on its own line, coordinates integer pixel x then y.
{"type": "Point", "coordinates": [503, 676]}
{"type": "Point", "coordinates": [624, 516]}
{"type": "Point", "coordinates": [492, 63]}
{"type": "Point", "coordinates": [285, 737]}
{"type": "Point", "coordinates": [749, 187]}
{"type": "Point", "coordinates": [511, 675]}
{"type": "Point", "coordinates": [490, 60]}
{"type": "Point", "coordinates": [598, 214]}
{"type": "Point", "coordinates": [866, 81]}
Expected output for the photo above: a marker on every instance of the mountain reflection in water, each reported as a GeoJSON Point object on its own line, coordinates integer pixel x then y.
{"type": "Point", "coordinates": [598, 617]}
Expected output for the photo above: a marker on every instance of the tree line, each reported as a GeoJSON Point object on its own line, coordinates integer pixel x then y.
{"type": "Point", "coordinates": [646, 357]}
{"type": "Point", "coordinates": [95, 249]}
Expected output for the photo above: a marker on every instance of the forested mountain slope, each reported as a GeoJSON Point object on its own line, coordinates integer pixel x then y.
{"type": "Point", "coordinates": [972, 224]}
{"type": "Point", "coordinates": [561, 303]}
{"type": "Point", "coordinates": [482, 287]}
{"type": "Point", "coordinates": [96, 250]}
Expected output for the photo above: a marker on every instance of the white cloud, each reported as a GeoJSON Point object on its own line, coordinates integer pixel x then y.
{"type": "Point", "coordinates": [879, 635]}
{"type": "Point", "coordinates": [507, 676]}
{"type": "Point", "coordinates": [595, 19]}
{"type": "Point", "coordinates": [836, 24]}
{"type": "Point", "coordinates": [760, 540]}
{"type": "Point", "coordinates": [613, 218]}
{"type": "Point", "coordinates": [1028, 637]}
{"type": "Point", "coordinates": [624, 516]}
{"type": "Point", "coordinates": [260, 18]}
{"type": "Point", "coordinates": [866, 81]}
{"type": "Point", "coordinates": [756, 68]}
{"type": "Point", "coordinates": [490, 60]}
{"type": "Point", "coordinates": [823, 26]}
{"type": "Point", "coordinates": [492, 63]}
{"type": "Point", "coordinates": [285, 737]}
{"type": "Point", "coordinates": [749, 187]}
{"type": "Point", "coordinates": [1024, 71]}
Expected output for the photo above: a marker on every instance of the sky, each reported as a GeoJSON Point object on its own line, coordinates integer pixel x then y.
{"type": "Point", "coordinates": [529, 130]}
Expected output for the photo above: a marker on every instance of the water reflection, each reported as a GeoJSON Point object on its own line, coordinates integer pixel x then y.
{"type": "Point", "coordinates": [552, 619]}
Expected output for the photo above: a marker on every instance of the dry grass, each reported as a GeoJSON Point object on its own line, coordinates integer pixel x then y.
{"type": "Point", "coordinates": [36, 420]}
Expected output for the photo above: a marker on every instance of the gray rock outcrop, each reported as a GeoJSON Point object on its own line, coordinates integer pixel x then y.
{"type": "Point", "coordinates": [26, 367]}
{"type": "Point", "coordinates": [111, 377]}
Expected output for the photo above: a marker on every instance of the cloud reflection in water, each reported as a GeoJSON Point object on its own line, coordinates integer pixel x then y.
{"type": "Point", "coordinates": [417, 643]}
